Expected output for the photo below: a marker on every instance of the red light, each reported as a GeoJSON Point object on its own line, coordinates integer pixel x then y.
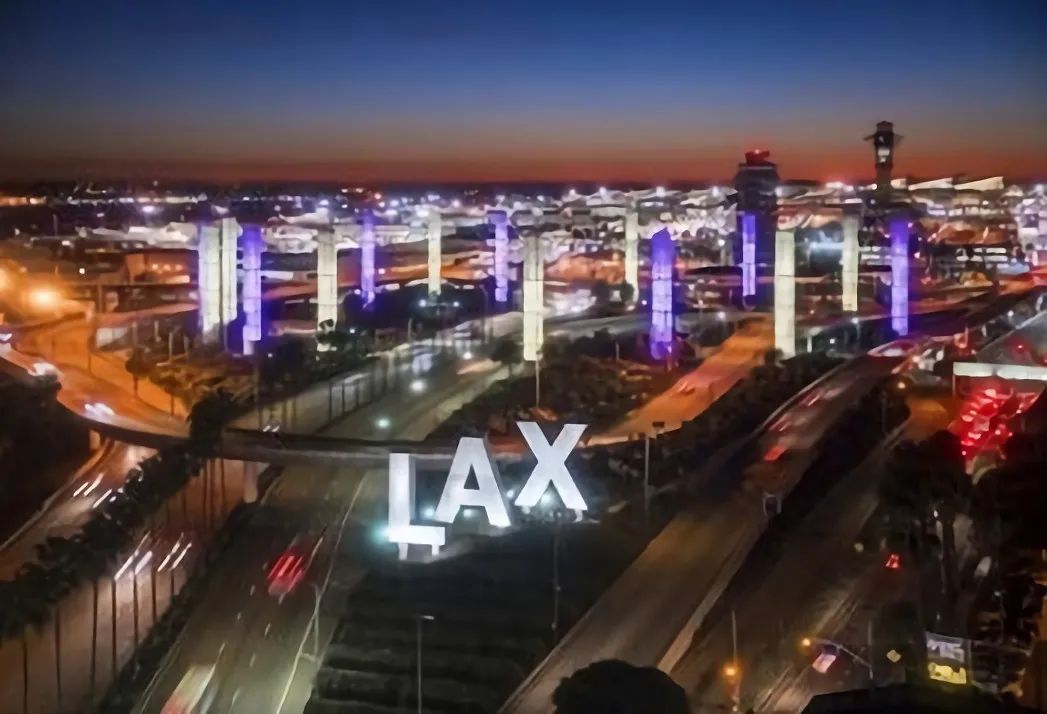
{"type": "Point", "coordinates": [774, 453]}
{"type": "Point", "coordinates": [893, 562]}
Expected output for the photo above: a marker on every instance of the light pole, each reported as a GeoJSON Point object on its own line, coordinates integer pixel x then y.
{"type": "Point", "coordinates": [538, 382]}
{"type": "Point", "coordinates": [483, 318]}
{"type": "Point", "coordinates": [656, 427]}
{"type": "Point", "coordinates": [646, 477]}
{"type": "Point", "coordinates": [419, 619]}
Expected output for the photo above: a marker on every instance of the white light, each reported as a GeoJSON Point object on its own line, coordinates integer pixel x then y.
{"type": "Point", "coordinates": [82, 271]}
{"type": "Point", "coordinates": [418, 386]}
{"type": "Point", "coordinates": [659, 191]}
{"type": "Point", "coordinates": [147, 209]}
{"type": "Point", "coordinates": [428, 512]}
{"type": "Point", "coordinates": [721, 242]}
{"type": "Point", "coordinates": [423, 303]}
{"type": "Point", "coordinates": [456, 203]}
{"type": "Point", "coordinates": [143, 562]}
{"type": "Point", "coordinates": [721, 316]}
{"type": "Point", "coordinates": [382, 422]}
{"type": "Point", "coordinates": [500, 198]}
{"type": "Point", "coordinates": [98, 502]}
{"type": "Point", "coordinates": [181, 555]}
{"type": "Point", "coordinates": [456, 304]}
{"type": "Point", "coordinates": [467, 355]}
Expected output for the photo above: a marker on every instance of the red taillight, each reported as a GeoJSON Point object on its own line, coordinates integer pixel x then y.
{"type": "Point", "coordinates": [774, 453]}
{"type": "Point", "coordinates": [893, 562]}
{"type": "Point", "coordinates": [283, 566]}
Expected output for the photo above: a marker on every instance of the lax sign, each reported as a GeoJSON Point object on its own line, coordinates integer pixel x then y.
{"type": "Point", "coordinates": [473, 455]}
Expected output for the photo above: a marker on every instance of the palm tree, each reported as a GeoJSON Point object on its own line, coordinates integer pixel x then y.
{"type": "Point", "coordinates": [207, 419]}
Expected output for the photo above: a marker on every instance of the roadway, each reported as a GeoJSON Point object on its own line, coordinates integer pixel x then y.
{"type": "Point", "coordinates": [648, 615]}
{"type": "Point", "coordinates": [255, 639]}
{"type": "Point", "coordinates": [70, 507]}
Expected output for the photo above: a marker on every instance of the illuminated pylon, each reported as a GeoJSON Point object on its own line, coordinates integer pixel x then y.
{"type": "Point", "coordinates": [849, 264]}
{"type": "Point", "coordinates": [748, 254]}
{"type": "Point", "coordinates": [632, 247]}
{"type": "Point", "coordinates": [326, 278]}
{"type": "Point", "coordinates": [251, 244]}
{"type": "Point", "coordinates": [663, 256]}
{"type": "Point", "coordinates": [785, 293]}
{"type": "Point", "coordinates": [899, 233]}
{"type": "Point", "coordinates": [533, 297]}
{"type": "Point", "coordinates": [230, 231]}
{"type": "Point", "coordinates": [501, 255]}
{"type": "Point", "coordinates": [434, 235]}
{"type": "Point", "coordinates": [209, 283]}
{"type": "Point", "coordinates": [367, 257]}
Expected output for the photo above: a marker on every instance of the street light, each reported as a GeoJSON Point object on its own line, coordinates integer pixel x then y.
{"type": "Point", "coordinates": [43, 298]}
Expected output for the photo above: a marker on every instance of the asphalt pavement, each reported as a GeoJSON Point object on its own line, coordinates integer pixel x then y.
{"type": "Point", "coordinates": [255, 639]}
{"type": "Point", "coordinates": [649, 614]}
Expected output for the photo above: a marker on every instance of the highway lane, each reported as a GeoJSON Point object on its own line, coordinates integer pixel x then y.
{"type": "Point", "coordinates": [128, 581]}
{"type": "Point", "coordinates": [253, 637]}
{"type": "Point", "coordinates": [663, 596]}
{"type": "Point", "coordinates": [72, 504]}
{"type": "Point", "coordinates": [696, 390]}
{"type": "Point", "coordinates": [769, 607]}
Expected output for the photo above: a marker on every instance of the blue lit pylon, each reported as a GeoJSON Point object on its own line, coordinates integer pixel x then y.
{"type": "Point", "coordinates": [663, 256]}
{"type": "Point", "coordinates": [899, 230]}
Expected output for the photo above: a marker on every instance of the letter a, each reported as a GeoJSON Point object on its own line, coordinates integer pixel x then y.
{"type": "Point", "coordinates": [551, 467]}
{"type": "Point", "coordinates": [472, 455]}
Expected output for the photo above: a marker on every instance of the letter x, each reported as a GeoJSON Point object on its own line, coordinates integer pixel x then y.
{"type": "Point", "coordinates": [550, 467]}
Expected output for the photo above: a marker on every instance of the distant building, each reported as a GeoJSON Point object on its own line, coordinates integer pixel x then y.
{"type": "Point", "coordinates": [756, 183]}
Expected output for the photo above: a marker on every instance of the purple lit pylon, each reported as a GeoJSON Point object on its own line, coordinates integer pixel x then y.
{"type": "Point", "coordinates": [663, 256]}
{"type": "Point", "coordinates": [251, 245]}
{"type": "Point", "coordinates": [748, 254]}
{"type": "Point", "coordinates": [899, 230]}
{"type": "Point", "coordinates": [501, 255]}
{"type": "Point", "coordinates": [367, 257]}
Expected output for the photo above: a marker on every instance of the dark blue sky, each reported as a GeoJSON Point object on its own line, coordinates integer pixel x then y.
{"type": "Point", "coordinates": [422, 89]}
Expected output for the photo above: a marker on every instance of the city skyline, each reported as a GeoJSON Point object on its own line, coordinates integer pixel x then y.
{"type": "Point", "coordinates": [318, 91]}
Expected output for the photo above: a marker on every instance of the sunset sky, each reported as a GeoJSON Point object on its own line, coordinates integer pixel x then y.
{"type": "Point", "coordinates": [420, 90]}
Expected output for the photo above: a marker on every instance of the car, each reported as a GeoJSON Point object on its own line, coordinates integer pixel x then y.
{"type": "Point", "coordinates": [293, 563]}
{"type": "Point", "coordinates": [775, 452]}
{"type": "Point", "coordinates": [99, 409]}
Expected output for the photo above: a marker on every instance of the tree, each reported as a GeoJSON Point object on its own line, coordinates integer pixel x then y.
{"type": "Point", "coordinates": [507, 352]}
{"type": "Point", "coordinates": [140, 365]}
{"type": "Point", "coordinates": [616, 687]}
{"type": "Point", "coordinates": [601, 293]}
{"type": "Point", "coordinates": [206, 420]}
{"type": "Point", "coordinates": [928, 482]}
{"type": "Point", "coordinates": [626, 292]}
